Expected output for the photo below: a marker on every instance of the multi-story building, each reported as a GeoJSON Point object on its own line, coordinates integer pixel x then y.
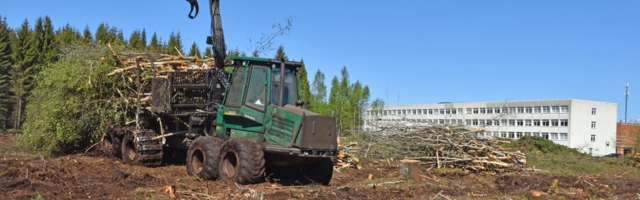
{"type": "Point", "coordinates": [589, 126]}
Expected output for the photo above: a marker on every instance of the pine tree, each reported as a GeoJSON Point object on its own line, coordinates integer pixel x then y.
{"type": "Point", "coordinates": [143, 36]}
{"type": "Point", "coordinates": [5, 66]}
{"type": "Point", "coordinates": [24, 56]}
{"type": "Point", "coordinates": [208, 53]}
{"type": "Point", "coordinates": [305, 90]}
{"type": "Point", "coordinates": [195, 51]}
{"type": "Point", "coordinates": [88, 38]}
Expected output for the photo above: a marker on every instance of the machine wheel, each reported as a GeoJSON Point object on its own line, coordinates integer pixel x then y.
{"type": "Point", "coordinates": [242, 161]}
{"type": "Point", "coordinates": [203, 156]}
{"type": "Point", "coordinates": [110, 146]}
{"type": "Point", "coordinates": [319, 172]}
{"type": "Point", "coordinates": [141, 150]}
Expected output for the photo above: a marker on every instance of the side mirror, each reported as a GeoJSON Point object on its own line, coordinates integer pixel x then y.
{"type": "Point", "coordinates": [299, 103]}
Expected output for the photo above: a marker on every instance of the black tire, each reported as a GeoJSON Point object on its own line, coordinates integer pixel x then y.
{"type": "Point", "coordinates": [110, 146]}
{"type": "Point", "coordinates": [319, 172]}
{"type": "Point", "coordinates": [149, 155]}
{"type": "Point", "coordinates": [242, 160]}
{"type": "Point", "coordinates": [203, 156]}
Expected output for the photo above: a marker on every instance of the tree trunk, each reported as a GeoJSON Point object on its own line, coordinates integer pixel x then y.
{"type": "Point", "coordinates": [409, 168]}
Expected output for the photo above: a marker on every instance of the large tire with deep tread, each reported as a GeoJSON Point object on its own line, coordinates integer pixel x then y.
{"type": "Point", "coordinates": [203, 156]}
{"type": "Point", "coordinates": [110, 146]}
{"type": "Point", "coordinates": [318, 172]}
{"type": "Point", "coordinates": [242, 160]}
{"type": "Point", "coordinates": [145, 153]}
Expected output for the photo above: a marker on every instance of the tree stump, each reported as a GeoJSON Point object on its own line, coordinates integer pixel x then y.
{"type": "Point", "coordinates": [410, 169]}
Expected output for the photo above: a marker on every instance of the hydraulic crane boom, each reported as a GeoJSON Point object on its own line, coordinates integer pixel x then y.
{"type": "Point", "coordinates": [217, 35]}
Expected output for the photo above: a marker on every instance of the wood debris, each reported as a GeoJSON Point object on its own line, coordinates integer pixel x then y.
{"type": "Point", "coordinates": [441, 146]}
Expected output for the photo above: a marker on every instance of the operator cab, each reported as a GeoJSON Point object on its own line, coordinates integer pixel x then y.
{"type": "Point", "coordinates": [266, 82]}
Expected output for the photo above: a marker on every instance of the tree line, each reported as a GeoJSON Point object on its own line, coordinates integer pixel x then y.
{"type": "Point", "coordinates": [45, 65]}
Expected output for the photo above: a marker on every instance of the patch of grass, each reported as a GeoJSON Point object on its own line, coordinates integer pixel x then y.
{"type": "Point", "coordinates": [563, 161]}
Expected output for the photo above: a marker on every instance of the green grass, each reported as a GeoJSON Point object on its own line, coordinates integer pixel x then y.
{"type": "Point", "coordinates": [563, 161]}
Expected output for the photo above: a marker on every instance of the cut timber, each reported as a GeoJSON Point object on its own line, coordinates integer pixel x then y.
{"type": "Point", "coordinates": [410, 168]}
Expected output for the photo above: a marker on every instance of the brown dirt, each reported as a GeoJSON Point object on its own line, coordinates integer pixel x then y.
{"type": "Point", "coordinates": [27, 176]}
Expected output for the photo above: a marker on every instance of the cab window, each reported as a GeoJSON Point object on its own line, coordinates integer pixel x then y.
{"type": "Point", "coordinates": [256, 93]}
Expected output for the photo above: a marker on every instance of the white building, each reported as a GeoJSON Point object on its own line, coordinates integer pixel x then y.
{"type": "Point", "coordinates": [588, 126]}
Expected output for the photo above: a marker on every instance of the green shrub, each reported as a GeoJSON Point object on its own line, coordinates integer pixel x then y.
{"type": "Point", "coordinates": [64, 111]}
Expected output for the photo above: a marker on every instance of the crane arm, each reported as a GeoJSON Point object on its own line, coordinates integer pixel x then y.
{"type": "Point", "coordinates": [217, 35]}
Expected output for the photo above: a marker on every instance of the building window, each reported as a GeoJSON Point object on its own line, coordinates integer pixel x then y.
{"type": "Point", "coordinates": [482, 123]}
{"type": "Point", "coordinates": [475, 111]}
{"type": "Point", "coordinates": [503, 122]}
{"type": "Point", "coordinates": [527, 133]}
{"type": "Point", "coordinates": [496, 123]}
{"type": "Point", "coordinates": [468, 110]}
{"type": "Point", "coordinates": [489, 110]}
{"type": "Point", "coordinates": [442, 111]}
{"type": "Point", "coordinates": [527, 122]}
{"type": "Point", "coordinates": [520, 109]}
{"type": "Point", "coordinates": [468, 122]}
{"type": "Point", "coordinates": [496, 110]}
{"type": "Point", "coordinates": [419, 111]}
{"type": "Point", "coordinates": [460, 121]}
{"type": "Point", "coordinates": [554, 122]}
{"type": "Point", "coordinates": [555, 109]}
{"type": "Point", "coordinates": [483, 111]}
{"type": "Point", "coordinates": [518, 135]}
{"type": "Point", "coordinates": [503, 134]}
{"type": "Point", "coordinates": [489, 122]}
{"type": "Point", "coordinates": [528, 110]}
{"type": "Point", "coordinates": [431, 111]}
{"type": "Point", "coordinates": [536, 122]}
{"type": "Point", "coordinates": [447, 111]}
{"type": "Point", "coordinates": [404, 112]}
{"type": "Point", "coordinates": [536, 109]}
{"type": "Point", "coordinates": [545, 122]}
{"type": "Point", "coordinates": [512, 109]}
{"type": "Point", "coordinates": [536, 134]}
{"type": "Point", "coordinates": [564, 109]}
{"type": "Point", "coordinates": [563, 136]}
{"type": "Point", "coordinates": [453, 122]}
{"type": "Point", "coordinates": [453, 111]}
{"type": "Point", "coordinates": [545, 109]}
{"type": "Point", "coordinates": [460, 111]}
{"type": "Point", "coordinates": [554, 136]}
{"type": "Point", "coordinates": [441, 121]}
{"type": "Point", "coordinates": [593, 111]}
{"type": "Point", "coordinates": [564, 122]}
{"type": "Point", "coordinates": [520, 123]}
{"type": "Point", "coordinates": [593, 138]}
{"type": "Point", "coordinates": [512, 135]}
{"type": "Point", "coordinates": [415, 111]}
{"type": "Point", "coordinates": [512, 122]}
{"type": "Point", "coordinates": [545, 135]}
{"type": "Point", "coordinates": [475, 122]}
{"type": "Point", "coordinates": [593, 124]}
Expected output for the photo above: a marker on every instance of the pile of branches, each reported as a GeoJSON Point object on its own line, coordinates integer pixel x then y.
{"type": "Point", "coordinates": [440, 146]}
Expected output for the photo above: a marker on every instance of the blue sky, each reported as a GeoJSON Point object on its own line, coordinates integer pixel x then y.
{"type": "Point", "coordinates": [412, 52]}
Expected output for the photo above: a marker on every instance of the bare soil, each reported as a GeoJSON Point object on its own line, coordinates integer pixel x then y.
{"type": "Point", "coordinates": [92, 176]}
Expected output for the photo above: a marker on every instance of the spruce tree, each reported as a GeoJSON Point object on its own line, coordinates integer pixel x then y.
{"type": "Point", "coordinates": [24, 57]}
{"type": "Point", "coordinates": [195, 51]}
{"type": "Point", "coordinates": [305, 90]}
{"type": "Point", "coordinates": [208, 53]}
{"type": "Point", "coordinates": [5, 66]}
{"type": "Point", "coordinates": [86, 35]}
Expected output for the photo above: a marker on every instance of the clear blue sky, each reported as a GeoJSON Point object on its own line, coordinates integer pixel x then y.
{"type": "Point", "coordinates": [412, 52]}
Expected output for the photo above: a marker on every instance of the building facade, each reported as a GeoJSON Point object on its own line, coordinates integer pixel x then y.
{"type": "Point", "coordinates": [589, 126]}
{"type": "Point", "coordinates": [627, 135]}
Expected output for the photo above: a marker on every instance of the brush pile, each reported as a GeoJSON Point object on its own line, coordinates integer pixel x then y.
{"type": "Point", "coordinates": [440, 146]}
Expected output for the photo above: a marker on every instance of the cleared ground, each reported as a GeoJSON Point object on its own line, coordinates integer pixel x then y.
{"type": "Point", "coordinates": [91, 176]}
